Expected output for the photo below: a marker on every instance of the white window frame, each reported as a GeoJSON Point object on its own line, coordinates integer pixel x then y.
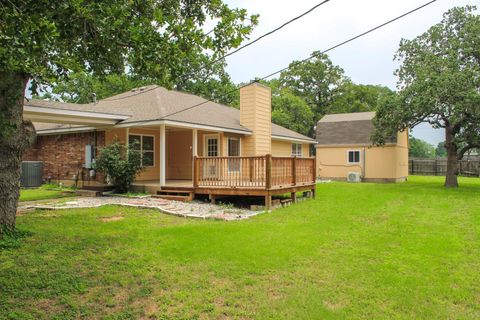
{"type": "Point", "coordinates": [231, 168]}
{"type": "Point", "coordinates": [141, 146]}
{"type": "Point", "coordinates": [205, 144]}
{"type": "Point", "coordinates": [296, 154]}
{"type": "Point", "coordinates": [359, 156]}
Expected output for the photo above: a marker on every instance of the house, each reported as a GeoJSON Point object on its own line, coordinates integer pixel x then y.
{"type": "Point", "coordinates": [344, 146]}
{"type": "Point", "coordinates": [189, 145]}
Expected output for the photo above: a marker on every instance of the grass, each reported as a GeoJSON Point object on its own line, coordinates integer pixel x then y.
{"type": "Point", "coordinates": [360, 251]}
{"type": "Point", "coordinates": [46, 191]}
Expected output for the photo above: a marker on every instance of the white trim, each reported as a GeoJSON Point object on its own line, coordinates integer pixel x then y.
{"type": "Point", "coordinates": [67, 130]}
{"type": "Point", "coordinates": [181, 124]}
{"type": "Point", "coordinates": [88, 114]}
{"type": "Point", "coordinates": [359, 156]}
{"type": "Point", "coordinates": [282, 138]}
{"type": "Point", "coordinates": [163, 150]}
{"type": "Point", "coordinates": [205, 144]}
{"type": "Point", "coordinates": [141, 145]}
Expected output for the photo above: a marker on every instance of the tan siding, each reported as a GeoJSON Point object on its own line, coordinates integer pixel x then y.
{"type": "Point", "coordinates": [255, 114]}
{"type": "Point", "coordinates": [179, 155]}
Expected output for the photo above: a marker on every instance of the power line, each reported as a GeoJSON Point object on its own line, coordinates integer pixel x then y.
{"type": "Point", "coordinates": [188, 75]}
{"type": "Point", "coordinates": [304, 60]}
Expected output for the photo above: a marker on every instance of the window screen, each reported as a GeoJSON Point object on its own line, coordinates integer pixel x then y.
{"type": "Point", "coordinates": [353, 156]}
{"type": "Point", "coordinates": [296, 149]}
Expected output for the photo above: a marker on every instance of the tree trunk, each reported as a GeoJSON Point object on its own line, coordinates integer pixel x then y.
{"type": "Point", "coordinates": [451, 180]}
{"type": "Point", "coordinates": [15, 137]}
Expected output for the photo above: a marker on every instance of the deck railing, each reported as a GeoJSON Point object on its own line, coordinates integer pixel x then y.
{"type": "Point", "coordinates": [259, 172]}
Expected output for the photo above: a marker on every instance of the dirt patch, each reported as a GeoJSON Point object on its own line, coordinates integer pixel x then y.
{"type": "Point", "coordinates": [111, 219]}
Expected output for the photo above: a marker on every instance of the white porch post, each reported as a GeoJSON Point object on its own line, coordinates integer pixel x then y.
{"type": "Point", "coordinates": [162, 155]}
{"type": "Point", "coordinates": [194, 149]}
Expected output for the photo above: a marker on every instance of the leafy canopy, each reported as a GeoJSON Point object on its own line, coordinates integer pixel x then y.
{"type": "Point", "coordinates": [419, 148]}
{"type": "Point", "coordinates": [152, 39]}
{"type": "Point", "coordinates": [439, 82]}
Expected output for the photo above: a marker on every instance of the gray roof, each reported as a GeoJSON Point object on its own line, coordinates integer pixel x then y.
{"type": "Point", "coordinates": [346, 129]}
{"type": "Point", "coordinates": [153, 102]}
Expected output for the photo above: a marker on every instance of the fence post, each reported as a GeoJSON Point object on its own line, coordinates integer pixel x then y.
{"type": "Point", "coordinates": [268, 171]}
{"type": "Point", "coordinates": [436, 167]}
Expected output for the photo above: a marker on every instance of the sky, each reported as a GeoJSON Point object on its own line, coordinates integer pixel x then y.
{"type": "Point", "coordinates": [368, 60]}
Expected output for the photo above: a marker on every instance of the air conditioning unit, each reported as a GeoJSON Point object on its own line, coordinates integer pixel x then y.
{"type": "Point", "coordinates": [354, 177]}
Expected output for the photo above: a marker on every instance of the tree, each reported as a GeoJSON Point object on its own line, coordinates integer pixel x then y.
{"type": "Point", "coordinates": [317, 81]}
{"type": "Point", "coordinates": [419, 148]}
{"type": "Point", "coordinates": [120, 164]}
{"type": "Point", "coordinates": [353, 97]}
{"type": "Point", "coordinates": [292, 112]}
{"type": "Point", "coordinates": [439, 81]}
{"type": "Point", "coordinates": [440, 150]}
{"type": "Point", "coordinates": [43, 42]}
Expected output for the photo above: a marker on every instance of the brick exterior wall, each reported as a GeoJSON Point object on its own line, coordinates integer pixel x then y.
{"type": "Point", "coordinates": [63, 155]}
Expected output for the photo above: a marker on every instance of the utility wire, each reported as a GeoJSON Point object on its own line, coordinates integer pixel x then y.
{"type": "Point", "coordinates": [304, 60]}
{"type": "Point", "coordinates": [206, 65]}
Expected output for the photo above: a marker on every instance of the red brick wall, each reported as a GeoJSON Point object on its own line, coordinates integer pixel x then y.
{"type": "Point", "coordinates": [63, 155]}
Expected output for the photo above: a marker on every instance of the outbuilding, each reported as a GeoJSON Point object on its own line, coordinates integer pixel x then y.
{"type": "Point", "coordinates": [345, 151]}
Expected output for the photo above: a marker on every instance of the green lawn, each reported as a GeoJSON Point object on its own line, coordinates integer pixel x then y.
{"type": "Point", "coordinates": [44, 192]}
{"type": "Point", "coordinates": [360, 251]}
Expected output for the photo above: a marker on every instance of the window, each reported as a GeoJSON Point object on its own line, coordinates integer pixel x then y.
{"type": "Point", "coordinates": [211, 146]}
{"type": "Point", "coordinates": [234, 151]}
{"type": "Point", "coordinates": [146, 145]}
{"type": "Point", "coordinates": [296, 149]}
{"type": "Point", "coordinates": [354, 156]}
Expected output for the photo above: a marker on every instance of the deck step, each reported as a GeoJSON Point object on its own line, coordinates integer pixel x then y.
{"type": "Point", "coordinates": [178, 195]}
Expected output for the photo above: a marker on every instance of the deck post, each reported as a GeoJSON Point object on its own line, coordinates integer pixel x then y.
{"type": "Point", "coordinates": [314, 174]}
{"type": "Point", "coordinates": [293, 196]}
{"type": "Point", "coordinates": [194, 152]}
{"type": "Point", "coordinates": [268, 201]}
{"type": "Point", "coordinates": [294, 170]}
{"type": "Point", "coordinates": [213, 198]}
{"type": "Point", "coordinates": [195, 171]}
{"type": "Point", "coordinates": [162, 155]}
{"type": "Point", "coordinates": [268, 172]}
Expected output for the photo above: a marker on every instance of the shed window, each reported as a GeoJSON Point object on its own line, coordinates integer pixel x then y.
{"type": "Point", "coordinates": [354, 156]}
{"type": "Point", "coordinates": [296, 149]}
{"type": "Point", "coordinates": [146, 145]}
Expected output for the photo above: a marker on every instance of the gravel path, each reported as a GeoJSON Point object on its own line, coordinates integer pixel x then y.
{"type": "Point", "coordinates": [194, 209]}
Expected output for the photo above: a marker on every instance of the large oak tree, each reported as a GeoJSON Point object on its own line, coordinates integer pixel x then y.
{"type": "Point", "coordinates": [439, 83]}
{"type": "Point", "coordinates": [43, 41]}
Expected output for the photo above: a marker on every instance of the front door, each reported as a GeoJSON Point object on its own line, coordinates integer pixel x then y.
{"type": "Point", "coordinates": [211, 150]}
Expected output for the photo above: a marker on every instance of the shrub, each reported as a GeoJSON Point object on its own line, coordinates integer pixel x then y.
{"type": "Point", "coordinates": [120, 164]}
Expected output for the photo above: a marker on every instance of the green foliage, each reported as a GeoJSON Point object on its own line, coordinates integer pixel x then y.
{"type": "Point", "coordinates": [13, 239]}
{"type": "Point", "coordinates": [120, 164]}
{"type": "Point", "coordinates": [440, 150]}
{"type": "Point", "coordinates": [161, 40]}
{"type": "Point", "coordinates": [399, 251]}
{"type": "Point", "coordinates": [317, 81]}
{"type": "Point", "coordinates": [420, 149]}
{"type": "Point", "coordinates": [292, 112]}
{"type": "Point", "coordinates": [357, 98]}
{"type": "Point", "coordinates": [438, 82]}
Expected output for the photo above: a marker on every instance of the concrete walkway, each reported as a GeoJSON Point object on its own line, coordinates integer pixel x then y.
{"type": "Point", "coordinates": [194, 209]}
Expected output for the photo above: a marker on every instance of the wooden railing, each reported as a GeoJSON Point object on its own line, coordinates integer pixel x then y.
{"type": "Point", "coordinates": [260, 172]}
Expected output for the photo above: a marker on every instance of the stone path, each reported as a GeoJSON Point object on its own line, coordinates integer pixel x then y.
{"type": "Point", "coordinates": [194, 209]}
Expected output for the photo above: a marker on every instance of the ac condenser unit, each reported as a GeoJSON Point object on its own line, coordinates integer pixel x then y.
{"type": "Point", "coordinates": [353, 177]}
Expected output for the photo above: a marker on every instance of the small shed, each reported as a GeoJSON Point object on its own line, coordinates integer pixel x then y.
{"type": "Point", "coordinates": [344, 148]}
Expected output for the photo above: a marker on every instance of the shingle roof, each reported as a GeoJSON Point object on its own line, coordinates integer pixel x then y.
{"type": "Point", "coordinates": [346, 129]}
{"type": "Point", "coordinates": [152, 103]}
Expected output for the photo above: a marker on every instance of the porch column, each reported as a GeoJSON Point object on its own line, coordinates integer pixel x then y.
{"type": "Point", "coordinates": [162, 155]}
{"type": "Point", "coordinates": [194, 142]}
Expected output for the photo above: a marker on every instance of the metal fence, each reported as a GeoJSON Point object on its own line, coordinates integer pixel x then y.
{"type": "Point", "coordinates": [438, 167]}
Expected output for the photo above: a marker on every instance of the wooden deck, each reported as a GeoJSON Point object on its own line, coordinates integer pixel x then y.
{"type": "Point", "coordinates": [242, 176]}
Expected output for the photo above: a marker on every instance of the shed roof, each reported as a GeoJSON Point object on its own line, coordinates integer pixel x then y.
{"type": "Point", "coordinates": [347, 129]}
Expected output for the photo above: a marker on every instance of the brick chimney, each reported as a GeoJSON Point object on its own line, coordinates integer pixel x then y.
{"type": "Point", "coordinates": [256, 115]}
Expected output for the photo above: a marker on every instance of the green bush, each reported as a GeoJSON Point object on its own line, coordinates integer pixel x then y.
{"type": "Point", "coordinates": [120, 164]}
